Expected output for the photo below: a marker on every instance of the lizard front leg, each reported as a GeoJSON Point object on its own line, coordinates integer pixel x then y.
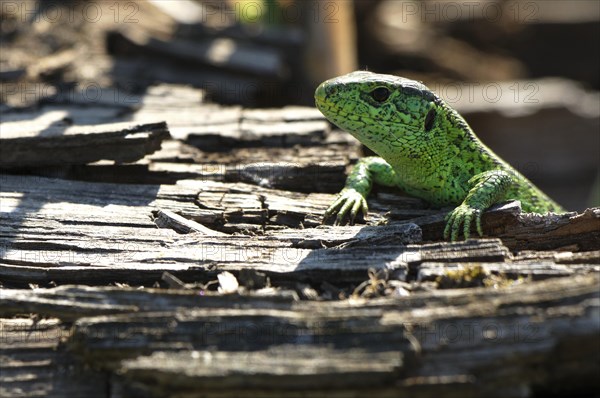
{"type": "Point", "coordinates": [353, 198]}
{"type": "Point", "coordinates": [488, 188]}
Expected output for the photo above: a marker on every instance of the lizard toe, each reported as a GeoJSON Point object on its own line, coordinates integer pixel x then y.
{"type": "Point", "coordinates": [478, 222]}
{"type": "Point", "coordinates": [456, 229]}
{"type": "Point", "coordinates": [468, 218]}
{"type": "Point", "coordinates": [449, 222]}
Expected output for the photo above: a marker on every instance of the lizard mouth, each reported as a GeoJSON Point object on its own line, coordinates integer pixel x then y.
{"type": "Point", "coordinates": [325, 99]}
{"type": "Point", "coordinates": [320, 94]}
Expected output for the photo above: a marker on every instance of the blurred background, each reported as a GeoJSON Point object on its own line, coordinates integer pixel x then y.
{"type": "Point", "coordinates": [525, 74]}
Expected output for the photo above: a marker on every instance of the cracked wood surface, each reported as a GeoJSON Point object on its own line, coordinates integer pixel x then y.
{"type": "Point", "coordinates": [110, 234]}
{"type": "Point", "coordinates": [190, 218]}
{"type": "Point", "coordinates": [50, 140]}
{"type": "Point", "coordinates": [155, 342]}
{"type": "Point", "coordinates": [371, 309]}
{"type": "Point", "coordinates": [172, 341]}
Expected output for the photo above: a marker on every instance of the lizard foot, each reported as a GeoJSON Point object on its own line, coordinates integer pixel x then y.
{"type": "Point", "coordinates": [462, 215]}
{"type": "Point", "coordinates": [349, 200]}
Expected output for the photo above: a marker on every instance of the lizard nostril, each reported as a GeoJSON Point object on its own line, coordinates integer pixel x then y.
{"type": "Point", "coordinates": [331, 90]}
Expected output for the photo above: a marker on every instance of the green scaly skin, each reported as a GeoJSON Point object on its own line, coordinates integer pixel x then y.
{"type": "Point", "coordinates": [425, 148]}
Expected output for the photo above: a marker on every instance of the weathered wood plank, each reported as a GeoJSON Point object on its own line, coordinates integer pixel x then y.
{"type": "Point", "coordinates": [111, 236]}
{"type": "Point", "coordinates": [493, 338]}
{"type": "Point", "coordinates": [168, 219]}
{"type": "Point", "coordinates": [529, 231]}
{"type": "Point", "coordinates": [430, 271]}
{"type": "Point", "coordinates": [218, 128]}
{"type": "Point", "coordinates": [70, 303]}
{"type": "Point", "coordinates": [220, 137]}
{"type": "Point", "coordinates": [110, 233]}
{"type": "Point", "coordinates": [562, 257]}
{"type": "Point", "coordinates": [299, 168]}
{"type": "Point", "coordinates": [571, 231]}
{"type": "Point", "coordinates": [34, 364]}
{"type": "Point", "coordinates": [52, 140]}
{"type": "Point", "coordinates": [175, 151]}
{"type": "Point", "coordinates": [298, 368]}
{"type": "Point", "coordinates": [195, 259]}
{"type": "Point", "coordinates": [302, 176]}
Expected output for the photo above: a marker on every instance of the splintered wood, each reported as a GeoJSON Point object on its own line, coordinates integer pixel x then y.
{"type": "Point", "coordinates": [208, 266]}
{"type": "Point", "coordinates": [173, 342]}
{"type": "Point", "coordinates": [161, 213]}
{"type": "Point", "coordinates": [50, 140]}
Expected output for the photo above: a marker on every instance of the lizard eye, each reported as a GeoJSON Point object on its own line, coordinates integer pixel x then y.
{"type": "Point", "coordinates": [380, 94]}
{"type": "Point", "coordinates": [429, 119]}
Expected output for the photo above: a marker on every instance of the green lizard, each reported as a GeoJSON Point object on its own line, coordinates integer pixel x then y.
{"type": "Point", "coordinates": [426, 149]}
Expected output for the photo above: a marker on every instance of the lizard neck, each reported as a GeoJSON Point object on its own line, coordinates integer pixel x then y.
{"type": "Point", "coordinates": [437, 164]}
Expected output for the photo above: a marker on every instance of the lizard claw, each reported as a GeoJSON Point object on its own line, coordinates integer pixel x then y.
{"type": "Point", "coordinates": [462, 216]}
{"type": "Point", "coordinates": [348, 201]}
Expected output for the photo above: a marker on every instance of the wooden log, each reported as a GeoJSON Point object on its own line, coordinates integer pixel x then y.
{"type": "Point", "coordinates": [160, 341]}
{"type": "Point", "coordinates": [494, 339]}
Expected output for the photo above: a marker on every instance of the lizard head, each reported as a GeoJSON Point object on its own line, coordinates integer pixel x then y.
{"type": "Point", "coordinates": [388, 114]}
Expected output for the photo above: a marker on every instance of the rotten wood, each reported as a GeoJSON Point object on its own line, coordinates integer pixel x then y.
{"type": "Point", "coordinates": [529, 231]}
{"type": "Point", "coordinates": [299, 168]}
{"type": "Point", "coordinates": [190, 117]}
{"type": "Point", "coordinates": [411, 347]}
{"type": "Point", "coordinates": [35, 365]}
{"type": "Point", "coordinates": [172, 343]}
{"type": "Point", "coordinates": [431, 271]}
{"type": "Point", "coordinates": [262, 299]}
{"type": "Point", "coordinates": [168, 219]}
{"type": "Point", "coordinates": [112, 236]}
{"type": "Point", "coordinates": [52, 140]}
{"type": "Point", "coordinates": [212, 127]}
